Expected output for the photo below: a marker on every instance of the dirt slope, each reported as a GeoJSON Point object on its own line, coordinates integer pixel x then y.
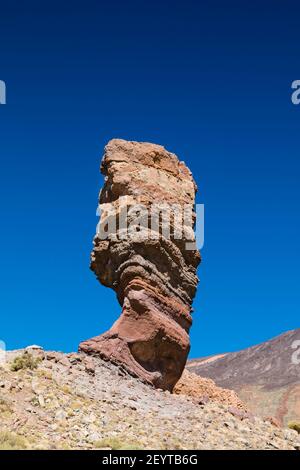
{"type": "Point", "coordinates": [75, 402]}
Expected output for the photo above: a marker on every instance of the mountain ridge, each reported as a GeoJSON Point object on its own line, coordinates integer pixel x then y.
{"type": "Point", "coordinates": [264, 376]}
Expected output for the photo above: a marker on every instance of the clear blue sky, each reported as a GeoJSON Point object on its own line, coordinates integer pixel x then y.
{"type": "Point", "coordinates": [208, 80]}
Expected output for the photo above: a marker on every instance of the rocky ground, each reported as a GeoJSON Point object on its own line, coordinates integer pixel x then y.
{"type": "Point", "coordinates": [72, 401]}
{"type": "Point", "coordinates": [204, 389]}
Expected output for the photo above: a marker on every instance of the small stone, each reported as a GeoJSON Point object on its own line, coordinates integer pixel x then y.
{"type": "Point", "coordinates": [65, 361]}
{"type": "Point", "coordinates": [89, 365]}
{"type": "Point", "coordinates": [74, 358]}
{"type": "Point", "coordinates": [60, 415]}
{"type": "Point", "coordinates": [237, 413]}
{"type": "Point", "coordinates": [94, 437]}
{"type": "Point", "coordinates": [229, 424]}
{"type": "Point", "coordinates": [41, 401]}
{"type": "Point", "coordinates": [52, 356]}
{"type": "Point", "coordinates": [35, 386]}
{"type": "Point", "coordinates": [274, 421]}
{"type": "Point", "coordinates": [290, 434]}
{"type": "Point", "coordinates": [89, 419]}
{"type": "Point", "coordinates": [203, 400]}
{"type": "Point", "coordinates": [20, 385]}
{"type": "Point", "coordinates": [241, 440]}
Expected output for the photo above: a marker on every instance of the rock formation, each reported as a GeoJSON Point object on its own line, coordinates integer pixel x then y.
{"type": "Point", "coordinates": [204, 390]}
{"type": "Point", "coordinates": [153, 274]}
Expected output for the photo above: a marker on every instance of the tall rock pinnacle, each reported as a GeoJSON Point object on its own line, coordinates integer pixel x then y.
{"type": "Point", "coordinates": [144, 249]}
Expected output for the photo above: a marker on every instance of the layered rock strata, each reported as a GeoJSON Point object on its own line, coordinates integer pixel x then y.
{"type": "Point", "coordinates": [144, 249]}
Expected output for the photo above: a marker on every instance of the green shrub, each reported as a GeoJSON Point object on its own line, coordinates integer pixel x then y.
{"type": "Point", "coordinates": [295, 425]}
{"type": "Point", "coordinates": [25, 361]}
{"type": "Point", "coordinates": [11, 441]}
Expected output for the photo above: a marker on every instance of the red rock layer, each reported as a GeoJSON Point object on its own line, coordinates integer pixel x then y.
{"type": "Point", "coordinates": [154, 276]}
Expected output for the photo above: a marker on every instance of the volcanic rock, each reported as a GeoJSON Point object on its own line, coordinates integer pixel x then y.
{"type": "Point", "coordinates": [75, 410]}
{"type": "Point", "coordinates": [205, 389]}
{"type": "Point", "coordinates": [153, 272]}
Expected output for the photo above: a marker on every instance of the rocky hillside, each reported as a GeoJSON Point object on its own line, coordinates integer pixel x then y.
{"type": "Point", "coordinates": [50, 400]}
{"type": "Point", "coordinates": [264, 376]}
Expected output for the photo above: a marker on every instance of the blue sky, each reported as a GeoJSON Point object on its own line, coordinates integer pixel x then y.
{"type": "Point", "coordinates": [211, 81]}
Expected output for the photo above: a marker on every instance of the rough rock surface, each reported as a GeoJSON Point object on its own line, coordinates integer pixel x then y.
{"type": "Point", "coordinates": [204, 389]}
{"type": "Point", "coordinates": [72, 401]}
{"type": "Point", "coordinates": [154, 276]}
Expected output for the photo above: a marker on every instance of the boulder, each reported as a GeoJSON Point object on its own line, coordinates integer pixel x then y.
{"type": "Point", "coordinates": [150, 260]}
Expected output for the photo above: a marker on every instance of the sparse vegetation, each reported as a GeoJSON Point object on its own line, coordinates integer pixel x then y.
{"type": "Point", "coordinates": [43, 373]}
{"type": "Point", "coordinates": [115, 444]}
{"type": "Point", "coordinates": [115, 412]}
{"type": "Point", "coordinates": [25, 361]}
{"type": "Point", "coordinates": [5, 409]}
{"type": "Point", "coordinates": [34, 401]}
{"type": "Point", "coordinates": [11, 441]}
{"type": "Point", "coordinates": [295, 425]}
